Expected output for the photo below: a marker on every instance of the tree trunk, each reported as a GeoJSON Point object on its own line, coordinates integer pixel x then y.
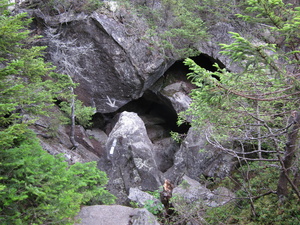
{"type": "Point", "coordinates": [72, 135]}
{"type": "Point", "coordinates": [286, 162]}
{"type": "Point", "coordinates": [165, 197]}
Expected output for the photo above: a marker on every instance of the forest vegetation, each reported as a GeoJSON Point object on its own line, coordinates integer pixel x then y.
{"type": "Point", "coordinates": [36, 187]}
{"type": "Point", "coordinates": [256, 110]}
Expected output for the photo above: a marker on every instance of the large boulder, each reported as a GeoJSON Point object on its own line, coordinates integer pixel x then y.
{"type": "Point", "coordinates": [173, 88]}
{"type": "Point", "coordinates": [106, 51]}
{"type": "Point", "coordinates": [191, 191]}
{"type": "Point", "coordinates": [178, 94]}
{"type": "Point", "coordinates": [191, 199]}
{"type": "Point", "coordinates": [114, 215]}
{"type": "Point", "coordinates": [196, 157]}
{"type": "Point", "coordinates": [164, 153]}
{"type": "Point", "coordinates": [143, 198]}
{"type": "Point", "coordinates": [130, 153]}
{"type": "Point", "coordinates": [112, 63]}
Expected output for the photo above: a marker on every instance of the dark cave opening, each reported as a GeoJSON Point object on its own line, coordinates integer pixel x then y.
{"type": "Point", "coordinates": [179, 70]}
{"type": "Point", "coordinates": [144, 107]}
{"type": "Point", "coordinates": [207, 62]}
{"type": "Point", "coordinates": [150, 104]}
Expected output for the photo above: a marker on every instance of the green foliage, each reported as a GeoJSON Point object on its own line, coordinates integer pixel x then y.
{"type": "Point", "coordinates": [186, 209]}
{"type": "Point", "coordinates": [213, 12]}
{"type": "Point", "coordinates": [154, 207]}
{"type": "Point", "coordinates": [185, 27]}
{"type": "Point", "coordinates": [184, 184]}
{"type": "Point", "coordinates": [173, 28]}
{"type": "Point", "coordinates": [38, 188]}
{"type": "Point", "coordinates": [83, 114]}
{"type": "Point", "coordinates": [54, 7]}
{"type": "Point", "coordinates": [23, 88]}
{"type": "Point", "coordinates": [35, 187]}
{"type": "Point", "coordinates": [156, 193]}
{"type": "Point", "coordinates": [282, 19]}
{"type": "Point", "coordinates": [94, 4]}
{"type": "Point", "coordinates": [177, 137]}
{"type": "Point", "coordinates": [250, 182]}
{"type": "Point", "coordinates": [225, 214]}
{"type": "Point", "coordinates": [248, 97]}
{"type": "Point", "coordinates": [251, 107]}
{"type": "Point", "coordinates": [269, 211]}
{"type": "Point", "coordinates": [266, 11]}
{"type": "Point", "coordinates": [272, 212]}
{"type": "Point", "coordinates": [134, 204]}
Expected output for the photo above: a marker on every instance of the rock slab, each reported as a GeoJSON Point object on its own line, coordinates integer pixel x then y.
{"type": "Point", "coordinates": [115, 215]}
{"type": "Point", "coordinates": [130, 152]}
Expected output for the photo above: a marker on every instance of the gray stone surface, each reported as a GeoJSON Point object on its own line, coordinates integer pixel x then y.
{"type": "Point", "coordinates": [142, 198]}
{"type": "Point", "coordinates": [114, 215]}
{"type": "Point", "coordinates": [190, 199]}
{"type": "Point", "coordinates": [112, 63]}
{"type": "Point", "coordinates": [55, 139]}
{"type": "Point", "coordinates": [192, 192]}
{"type": "Point", "coordinates": [164, 153]}
{"type": "Point", "coordinates": [106, 53]}
{"type": "Point", "coordinates": [130, 152]}
{"type": "Point", "coordinates": [197, 157]}
{"type": "Point", "coordinates": [178, 94]}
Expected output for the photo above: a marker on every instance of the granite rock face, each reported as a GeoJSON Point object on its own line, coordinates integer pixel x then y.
{"type": "Point", "coordinates": [196, 157]}
{"type": "Point", "coordinates": [192, 198]}
{"type": "Point", "coordinates": [55, 139]}
{"type": "Point", "coordinates": [112, 64]}
{"type": "Point", "coordinates": [115, 215]}
{"type": "Point", "coordinates": [142, 198]}
{"type": "Point", "coordinates": [191, 192]}
{"type": "Point", "coordinates": [130, 153]}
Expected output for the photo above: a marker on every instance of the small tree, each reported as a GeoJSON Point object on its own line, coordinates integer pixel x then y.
{"type": "Point", "coordinates": [256, 108]}
{"type": "Point", "coordinates": [38, 188]}
{"type": "Point", "coordinates": [74, 108]}
{"type": "Point", "coordinates": [35, 187]}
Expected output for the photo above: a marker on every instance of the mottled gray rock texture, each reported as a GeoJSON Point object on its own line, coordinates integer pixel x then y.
{"type": "Point", "coordinates": [190, 199]}
{"type": "Point", "coordinates": [114, 215]}
{"type": "Point", "coordinates": [196, 157]}
{"type": "Point", "coordinates": [112, 64]}
{"type": "Point", "coordinates": [191, 191]}
{"type": "Point", "coordinates": [130, 152]}
{"type": "Point", "coordinates": [142, 198]}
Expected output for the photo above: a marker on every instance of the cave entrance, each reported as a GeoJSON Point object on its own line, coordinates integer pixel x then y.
{"type": "Point", "coordinates": [153, 106]}
{"type": "Point", "coordinates": [149, 106]}
{"type": "Point", "coordinates": [152, 111]}
{"type": "Point", "coordinates": [207, 62]}
{"type": "Point", "coordinates": [178, 71]}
